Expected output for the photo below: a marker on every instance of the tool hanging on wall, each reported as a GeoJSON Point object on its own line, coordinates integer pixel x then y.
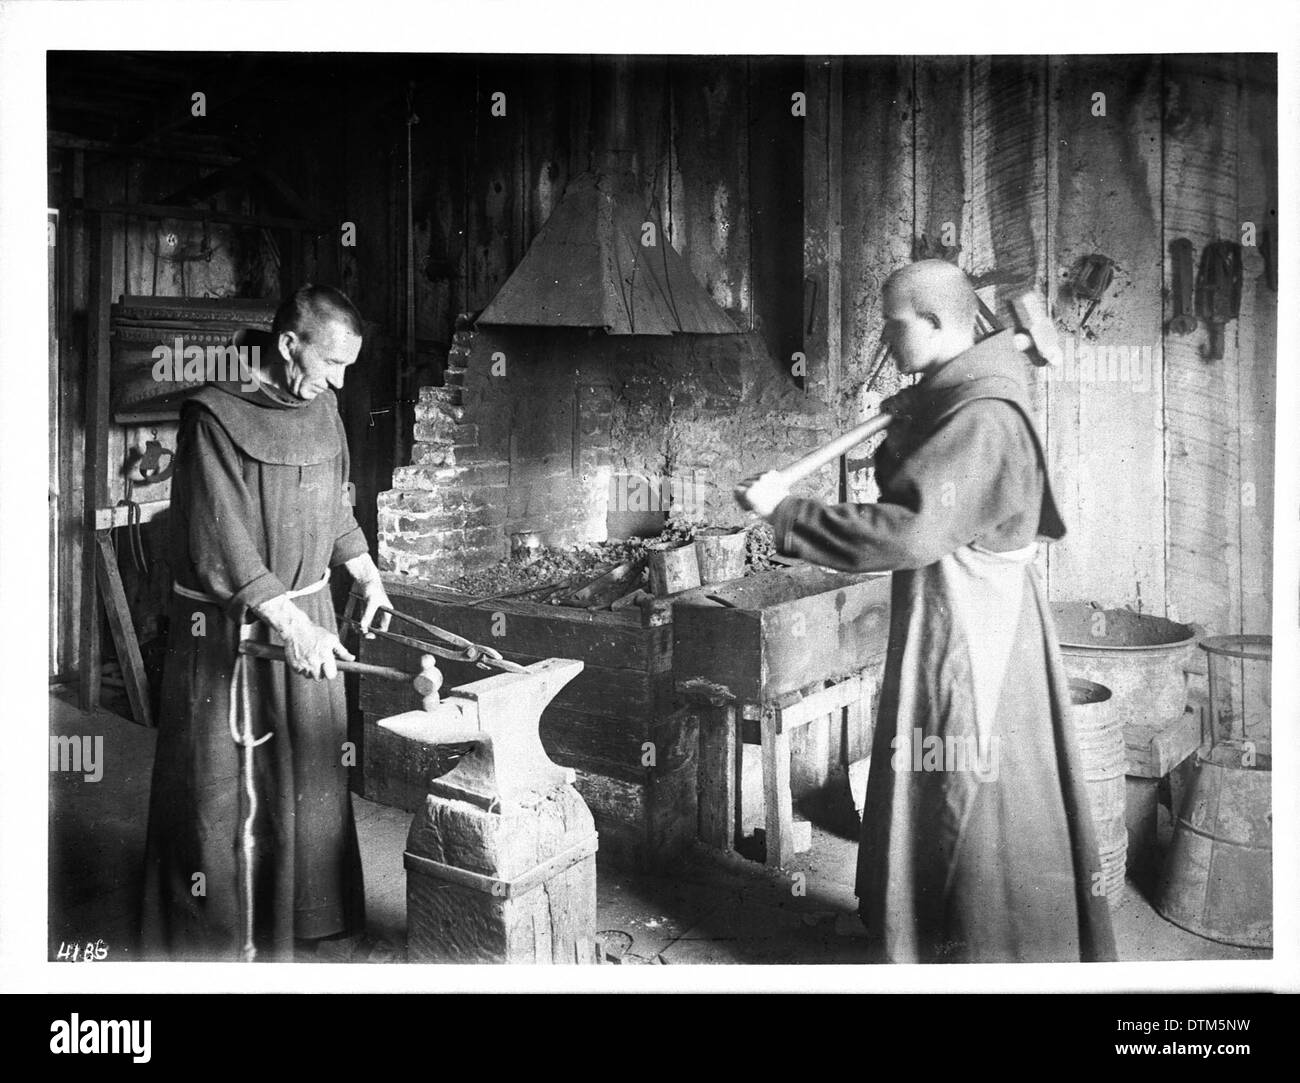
{"type": "Point", "coordinates": [135, 540]}
{"type": "Point", "coordinates": [1089, 281]}
{"type": "Point", "coordinates": [1218, 291]}
{"type": "Point", "coordinates": [150, 467]}
{"type": "Point", "coordinates": [1184, 321]}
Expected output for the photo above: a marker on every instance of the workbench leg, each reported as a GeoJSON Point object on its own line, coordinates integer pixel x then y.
{"type": "Point", "coordinates": [778, 808]}
{"type": "Point", "coordinates": [718, 763]}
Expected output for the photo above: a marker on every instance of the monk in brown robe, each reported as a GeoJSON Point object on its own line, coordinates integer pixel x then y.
{"type": "Point", "coordinates": [977, 839]}
{"type": "Point", "coordinates": [251, 843]}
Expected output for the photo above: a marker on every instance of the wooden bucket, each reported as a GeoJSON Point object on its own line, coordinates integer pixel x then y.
{"type": "Point", "coordinates": [721, 554]}
{"type": "Point", "coordinates": [1100, 737]}
{"type": "Point", "coordinates": [673, 570]}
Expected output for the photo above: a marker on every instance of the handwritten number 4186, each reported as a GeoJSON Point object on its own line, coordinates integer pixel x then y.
{"type": "Point", "coordinates": [89, 952]}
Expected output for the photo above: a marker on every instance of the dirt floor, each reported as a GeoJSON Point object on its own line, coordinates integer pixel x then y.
{"type": "Point", "coordinates": [710, 909]}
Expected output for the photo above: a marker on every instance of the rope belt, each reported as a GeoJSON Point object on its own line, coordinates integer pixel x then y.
{"type": "Point", "coordinates": [240, 720]}
{"type": "Point", "coordinates": [200, 596]}
{"type": "Point", "coordinates": [241, 732]}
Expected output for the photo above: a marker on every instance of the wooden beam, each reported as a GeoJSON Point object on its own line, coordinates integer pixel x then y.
{"type": "Point", "coordinates": [119, 623]}
{"type": "Point", "coordinates": [108, 518]}
{"type": "Point", "coordinates": [198, 214]}
{"type": "Point", "coordinates": [819, 704]}
{"type": "Point", "coordinates": [96, 469]}
{"type": "Point", "coordinates": [68, 141]}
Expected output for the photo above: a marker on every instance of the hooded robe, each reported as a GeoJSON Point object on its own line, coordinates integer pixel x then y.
{"type": "Point", "coordinates": [259, 508]}
{"type": "Point", "coordinates": [977, 838]}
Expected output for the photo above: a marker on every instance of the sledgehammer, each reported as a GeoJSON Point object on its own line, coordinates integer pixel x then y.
{"type": "Point", "coordinates": [1034, 335]}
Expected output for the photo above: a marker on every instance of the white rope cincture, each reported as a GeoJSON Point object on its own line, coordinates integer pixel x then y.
{"type": "Point", "coordinates": [241, 732]}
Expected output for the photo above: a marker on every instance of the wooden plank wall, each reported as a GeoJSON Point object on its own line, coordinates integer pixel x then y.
{"type": "Point", "coordinates": [1105, 416]}
{"type": "Point", "coordinates": [877, 215]}
{"type": "Point", "coordinates": [1162, 461]}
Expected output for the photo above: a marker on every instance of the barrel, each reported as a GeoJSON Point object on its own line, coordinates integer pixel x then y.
{"type": "Point", "coordinates": [1099, 735]}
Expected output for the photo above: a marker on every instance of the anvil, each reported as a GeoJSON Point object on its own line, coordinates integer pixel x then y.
{"type": "Point", "coordinates": [501, 717]}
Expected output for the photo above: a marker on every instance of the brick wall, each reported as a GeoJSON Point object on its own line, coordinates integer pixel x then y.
{"type": "Point", "coordinates": [570, 432]}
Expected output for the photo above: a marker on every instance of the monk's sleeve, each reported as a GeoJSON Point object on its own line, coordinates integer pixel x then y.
{"type": "Point", "coordinates": [965, 479]}
{"type": "Point", "coordinates": [226, 557]}
{"type": "Point", "coordinates": [349, 541]}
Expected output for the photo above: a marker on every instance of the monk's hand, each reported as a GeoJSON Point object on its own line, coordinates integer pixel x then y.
{"type": "Point", "coordinates": [309, 649]}
{"type": "Point", "coordinates": [370, 586]}
{"type": "Point", "coordinates": [762, 494]}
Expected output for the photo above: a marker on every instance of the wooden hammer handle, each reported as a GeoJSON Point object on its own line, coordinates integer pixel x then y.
{"type": "Point", "coordinates": [833, 449]}
{"type": "Point", "coordinates": [276, 654]}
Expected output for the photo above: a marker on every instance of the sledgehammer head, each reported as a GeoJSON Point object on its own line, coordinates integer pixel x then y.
{"type": "Point", "coordinates": [1035, 331]}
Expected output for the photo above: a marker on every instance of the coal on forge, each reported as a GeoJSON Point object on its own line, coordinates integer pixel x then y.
{"type": "Point", "coordinates": [560, 575]}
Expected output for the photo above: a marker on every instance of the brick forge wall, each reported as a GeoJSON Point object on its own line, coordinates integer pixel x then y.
{"type": "Point", "coordinates": [444, 515]}
{"type": "Point", "coordinates": [542, 430]}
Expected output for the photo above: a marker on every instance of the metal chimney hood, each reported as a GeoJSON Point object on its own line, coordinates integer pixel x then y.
{"type": "Point", "coordinates": [590, 265]}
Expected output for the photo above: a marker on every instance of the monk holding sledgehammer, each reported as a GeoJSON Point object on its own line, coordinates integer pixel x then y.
{"type": "Point", "coordinates": [977, 846]}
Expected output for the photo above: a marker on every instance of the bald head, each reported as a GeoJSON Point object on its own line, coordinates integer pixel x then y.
{"type": "Point", "coordinates": [935, 287]}
{"type": "Point", "coordinates": [929, 309]}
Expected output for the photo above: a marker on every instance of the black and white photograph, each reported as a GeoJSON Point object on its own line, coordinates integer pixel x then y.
{"type": "Point", "coordinates": [695, 507]}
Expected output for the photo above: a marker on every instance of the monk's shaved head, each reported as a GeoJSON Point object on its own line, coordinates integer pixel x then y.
{"type": "Point", "coordinates": [937, 289]}
{"type": "Point", "coordinates": [929, 310]}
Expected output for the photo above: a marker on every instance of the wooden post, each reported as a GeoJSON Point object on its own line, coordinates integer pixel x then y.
{"type": "Point", "coordinates": [778, 808]}
{"type": "Point", "coordinates": [823, 174]}
{"type": "Point", "coordinates": [857, 722]}
{"type": "Point", "coordinates": [718, 766]}
{"type": "Point", "coordinates": [96, 478]}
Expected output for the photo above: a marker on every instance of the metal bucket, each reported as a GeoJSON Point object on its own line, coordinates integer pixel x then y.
{"type": "Point", "coordinates": [1100, 738]}
{"type": "Point", "coordinates": [1218, 879]}
{"type": "Point", "coordinates": [1140, 658]}
{"type": "Point", "coordinates": [721, 554]}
